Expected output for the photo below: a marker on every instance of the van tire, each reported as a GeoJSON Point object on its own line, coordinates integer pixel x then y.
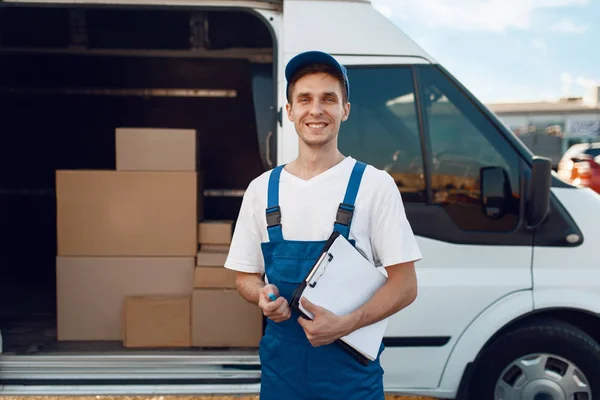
{"type": "Point", "coordinates": [552, 337]}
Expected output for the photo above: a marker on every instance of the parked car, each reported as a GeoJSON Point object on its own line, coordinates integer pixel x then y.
{"type": "Point", "coordinates": [580, 165]}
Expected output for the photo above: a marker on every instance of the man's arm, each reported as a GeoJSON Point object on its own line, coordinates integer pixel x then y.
{"type": "Point", "coordinates": [398, 292]}
{"type": "Point", "coordinates": [249, 286]}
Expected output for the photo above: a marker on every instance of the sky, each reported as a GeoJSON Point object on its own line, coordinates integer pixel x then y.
{"type": "Point", "coordinates": [508, 50]}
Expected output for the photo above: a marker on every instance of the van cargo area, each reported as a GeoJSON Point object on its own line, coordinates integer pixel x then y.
{"type": "Point", "coordinates": [71, 78]}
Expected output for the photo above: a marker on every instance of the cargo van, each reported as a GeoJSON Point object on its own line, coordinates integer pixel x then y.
{"type": "Point", "coordinates": [509, 286]}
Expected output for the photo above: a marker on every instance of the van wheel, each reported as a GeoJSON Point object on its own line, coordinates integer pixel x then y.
{"type": "Point", "coordinates": [548, 360]}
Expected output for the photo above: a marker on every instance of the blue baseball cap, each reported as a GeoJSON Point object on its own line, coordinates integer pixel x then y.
{"type": "Point", "coordinates": [314, 57]}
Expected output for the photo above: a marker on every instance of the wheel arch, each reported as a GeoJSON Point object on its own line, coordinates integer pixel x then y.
{"type": "Point", "coordinates": [587, 321]}
{"type": "Point", "coordinates": [508, 313]}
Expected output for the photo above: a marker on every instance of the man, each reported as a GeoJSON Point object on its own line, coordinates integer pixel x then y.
{"type": "Point", "coordinates": [286, 216]}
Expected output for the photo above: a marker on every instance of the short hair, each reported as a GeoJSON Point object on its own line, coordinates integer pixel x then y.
{"type": "Point", "coordinates": [315, 69]}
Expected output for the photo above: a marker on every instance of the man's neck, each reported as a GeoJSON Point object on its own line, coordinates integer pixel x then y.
{"type": "Point", "coordinates": [314, 161]}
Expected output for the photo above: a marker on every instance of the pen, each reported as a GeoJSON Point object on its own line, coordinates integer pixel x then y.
{"type": "Point", "coordinates": [272, 297]}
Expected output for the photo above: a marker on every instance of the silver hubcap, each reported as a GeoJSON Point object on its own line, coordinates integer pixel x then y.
{"type": "Point", "coordinates": [542, 377]}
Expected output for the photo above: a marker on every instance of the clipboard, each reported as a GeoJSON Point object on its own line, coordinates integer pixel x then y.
{"type": "Point", "coordinates": [342, 280]}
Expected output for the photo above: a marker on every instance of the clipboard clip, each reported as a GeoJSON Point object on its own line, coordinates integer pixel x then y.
{"type": "Point", "coordinates": [326, 259]}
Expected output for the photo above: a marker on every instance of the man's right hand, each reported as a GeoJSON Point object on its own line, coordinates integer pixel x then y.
{"type": "Point", "coordinates": [278, 310]}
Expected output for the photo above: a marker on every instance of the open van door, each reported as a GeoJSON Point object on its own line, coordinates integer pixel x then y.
{"type": "Point", "coordinates": [459, 177]}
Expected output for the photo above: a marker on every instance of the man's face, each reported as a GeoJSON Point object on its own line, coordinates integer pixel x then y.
{"type": "Point", "coordinates": [317, 108]}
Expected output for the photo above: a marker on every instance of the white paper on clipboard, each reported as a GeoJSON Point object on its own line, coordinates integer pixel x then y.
{"type": "Point", "coordinates": [343, 281]}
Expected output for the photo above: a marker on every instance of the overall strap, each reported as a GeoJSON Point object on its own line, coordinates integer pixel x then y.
{"type": "Point", "coordinates": [343, 219]}
{"type": "Point", "coordinates": [273, 211]}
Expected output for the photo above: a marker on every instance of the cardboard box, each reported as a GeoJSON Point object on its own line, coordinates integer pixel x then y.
{"type": "Point", "coordinates": [215, 248]}
{"type": "Point", "coordinates": [91, 291]}
{"type": "Point", "coordinates": [214, 278]}
{"type": "Point", "coordinates": [222, 318]}
{"type": "Point", "coordinates": [208, 259]}
{"type": "Point", "coordinates": [200, 196]}
{"type": "Point", "coordinates": [215, 232]}
{"type": "Point", "coordinates": [157, 321]}
{"type": "Point", "coordinates": [115, 213]}
{"type": "Point", "coordinates": [155, 149]}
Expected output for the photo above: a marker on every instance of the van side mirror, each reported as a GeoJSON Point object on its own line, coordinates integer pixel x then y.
{"type": "Point", "coordinates": [539, 191]}
{"type": "Point", "coordinates": [495, 191]}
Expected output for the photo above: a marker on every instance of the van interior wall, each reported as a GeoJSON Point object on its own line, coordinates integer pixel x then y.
{"type": "Point", "coordinates": [43, 129]}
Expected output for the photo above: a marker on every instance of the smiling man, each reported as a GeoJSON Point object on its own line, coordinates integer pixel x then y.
{"type": "Point", "coordinates": [288, 213]}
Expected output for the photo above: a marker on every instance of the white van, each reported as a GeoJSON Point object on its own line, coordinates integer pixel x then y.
{"type": "Point", "coordinates": [509, 286]}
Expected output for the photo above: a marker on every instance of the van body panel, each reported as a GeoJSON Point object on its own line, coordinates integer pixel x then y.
{"type": "Point", "coordinates": [571, 278]}
{"type": "Point", "coordinates": [344, 28]}
{"type": "Point", "coordinates": [479, 331]}
{"type": "Point", "coordinates": [256, 4]}
{"type": "Point", "coordinates": [457, 283]}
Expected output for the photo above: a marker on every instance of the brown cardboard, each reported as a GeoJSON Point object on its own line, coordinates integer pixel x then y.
{"type": "Point", "coordinates": [157, 321]}
{"type": "Point", "coordinates": [208, 259]}
{"type": "Point", "coordinates": [214, 278]}
{"type": "Point", "coordinates": [155, 149]}
{"type": "Point", "coordinates": [116, 213]}
{"type": "Point", "coordinates": [222, 318]}
{"type": "Point", "coordinates": [215, 248]}
{"type": "Point", "coordinates": [200, 197]}
{"type": "Point", "coordinates": [91, 291]}
{"type": "Point", "coordinates": [215, 232]}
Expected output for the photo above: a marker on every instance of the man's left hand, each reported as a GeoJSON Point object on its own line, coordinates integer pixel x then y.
{"type": "Point", "coordinates": [325, 327]}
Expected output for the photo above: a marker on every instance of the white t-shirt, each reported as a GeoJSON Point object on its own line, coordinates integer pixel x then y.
{"type": "Point", "coordinates": [308, 210]}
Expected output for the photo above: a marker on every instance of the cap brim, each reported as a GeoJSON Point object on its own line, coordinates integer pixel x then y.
{"type": "Point", "coordinates": [310, 57]}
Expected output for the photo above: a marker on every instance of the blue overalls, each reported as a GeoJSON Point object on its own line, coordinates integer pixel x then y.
{"type": "Point", "coordinates": [292, 369]}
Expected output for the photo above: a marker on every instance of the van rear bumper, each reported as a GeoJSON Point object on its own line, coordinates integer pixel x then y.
{"type": "Point", "coordinates": [143, 374]}
{"type": "Point", "coordinates": [129, 390]}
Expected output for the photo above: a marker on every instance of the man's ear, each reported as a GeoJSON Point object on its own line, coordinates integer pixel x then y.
{"type": "Point", "coordinates": [288, 108]}
{"type": "Point", "coordinates": [346, 112]}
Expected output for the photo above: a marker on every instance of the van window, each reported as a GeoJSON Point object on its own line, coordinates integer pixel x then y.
{"type": "Point", "coordinates": [383, 128]}
{"type": "Point", "coordinates": [463, 141]}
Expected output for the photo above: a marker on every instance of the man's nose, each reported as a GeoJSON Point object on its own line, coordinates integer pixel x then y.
{"type": "Point", "coordinates": [316, 108]}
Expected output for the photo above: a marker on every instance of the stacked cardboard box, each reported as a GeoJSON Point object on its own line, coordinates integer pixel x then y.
{"type": "Point", "coordinates": [220, 316]}
{"type": "Point", "coordinates": [130, 232]}
{"type": "Point", "coordinates": [92, 291]}
{"type": "Point", "coordinates": [157, 321]}
{"type": "Point", "coordinates": [128, 265]}
{"type": "Point", "coordinates": [158, 149]}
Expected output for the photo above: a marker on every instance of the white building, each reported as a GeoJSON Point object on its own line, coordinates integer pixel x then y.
{"type": "Point", "coordinates": [550, 128]}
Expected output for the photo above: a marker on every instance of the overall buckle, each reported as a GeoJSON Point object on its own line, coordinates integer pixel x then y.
{"type": "Point", "coordinates": [344, 214]}
{"type": "Point", "coordinates": [273, 216]}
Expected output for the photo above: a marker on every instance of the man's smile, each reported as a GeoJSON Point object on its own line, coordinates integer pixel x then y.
{"type": "Point", "coordinates": [317, 125]}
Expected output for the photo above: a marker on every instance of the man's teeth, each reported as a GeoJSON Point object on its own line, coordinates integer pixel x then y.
{"type": "Point", "coordinates": [316, 125]}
